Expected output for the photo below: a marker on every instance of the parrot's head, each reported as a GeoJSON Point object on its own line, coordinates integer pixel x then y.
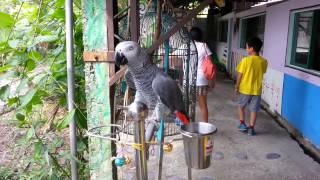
{"type": "Point", "coordinates": [129, 53]}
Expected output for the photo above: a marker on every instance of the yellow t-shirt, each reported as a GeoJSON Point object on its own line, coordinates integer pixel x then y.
{"type": "Point", "coordinates": [252, 69]}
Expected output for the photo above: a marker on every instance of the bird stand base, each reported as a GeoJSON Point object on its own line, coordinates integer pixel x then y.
{"type": "Point", "coordinates": [189, 173]}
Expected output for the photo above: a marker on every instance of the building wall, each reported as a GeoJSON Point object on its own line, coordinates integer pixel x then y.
{"type": "Point", "coordinates": [273, 79]}
{"type": "Point", "coordinates": [293, 94]}
{"type": "Point", "coordinates": [222, 51]}
{"type": "Point", "coordinates": [272, 90]}
{"type": "Point", "coordinates": [301, 91]}
{"type": "Point", "coordinates": [277, 28]}
{"type": "Point", "coordinates": [301, 107]}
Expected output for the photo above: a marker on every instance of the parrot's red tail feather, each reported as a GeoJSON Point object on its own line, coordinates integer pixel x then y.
{"type": "Point", "coordinates": [183, 118]}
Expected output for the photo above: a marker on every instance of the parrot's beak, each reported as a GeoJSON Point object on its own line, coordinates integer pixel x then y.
{"type": "Point", "coordinates": [120, 59]}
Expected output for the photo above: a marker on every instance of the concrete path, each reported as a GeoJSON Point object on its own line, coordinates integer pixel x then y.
{"type": "Point", "coordinates": [271, 155]}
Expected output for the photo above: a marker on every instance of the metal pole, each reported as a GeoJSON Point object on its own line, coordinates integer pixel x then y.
{"type": "Point", "coordinates": [139, 112]}
{"type": "Point", "coordinates": [189, 173]}
{"type": "Point", "coordinates": [69, 46]}
{"type": "Point", "coordinates": [160, 139]}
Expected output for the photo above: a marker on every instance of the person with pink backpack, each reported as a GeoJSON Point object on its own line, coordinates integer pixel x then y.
{"type": "Point", "coordinates": [205, 73]}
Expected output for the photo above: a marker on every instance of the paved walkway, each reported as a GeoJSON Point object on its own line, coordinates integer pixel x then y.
{"type": "Point", "coordinates": [271, 155]}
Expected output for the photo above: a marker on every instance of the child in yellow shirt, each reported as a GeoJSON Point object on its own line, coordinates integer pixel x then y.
{"type": "Point", "coordinates": [249, 83]}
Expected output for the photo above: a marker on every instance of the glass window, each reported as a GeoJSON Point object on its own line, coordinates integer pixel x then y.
{"type": "Point", "coordinates": [251, 27]}
{"type": "Point", "coordinates": [223, 31]}
{"type": "Point", "coordinates": [305, 50]}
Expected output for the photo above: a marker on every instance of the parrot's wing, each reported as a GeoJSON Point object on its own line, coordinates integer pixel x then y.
{"type": "Point", "coordinates": [129, 80]}
{"type": "Point", "coordinates": [168, 92]}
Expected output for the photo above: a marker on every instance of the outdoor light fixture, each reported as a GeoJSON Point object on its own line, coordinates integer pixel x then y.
{"type": "Point", "coordinates": [267, 2]}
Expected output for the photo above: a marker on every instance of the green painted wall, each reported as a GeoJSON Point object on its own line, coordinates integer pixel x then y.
{"type": "Point", "coordinates": [95, 28]}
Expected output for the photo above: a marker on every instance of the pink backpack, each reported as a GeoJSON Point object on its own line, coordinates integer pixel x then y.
{"type": "Point", "coordinates": [209, 69]}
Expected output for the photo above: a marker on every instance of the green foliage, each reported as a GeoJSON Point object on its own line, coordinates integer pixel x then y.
{"type": "Point", "coordinates": [32, 54]}
{"type": "Point", "coordinates": [6, 20]}
{"type": "Point", "coordinates": [6, 174]}
{"type": "Point", "coordinates": [66, 121]}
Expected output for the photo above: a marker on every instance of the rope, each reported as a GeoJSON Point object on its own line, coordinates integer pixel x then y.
{"type": "Point", "coordinates": [137, 146]}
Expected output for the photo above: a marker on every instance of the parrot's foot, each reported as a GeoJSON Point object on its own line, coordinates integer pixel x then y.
{"type": "Point", "coordinates": [178, 122]}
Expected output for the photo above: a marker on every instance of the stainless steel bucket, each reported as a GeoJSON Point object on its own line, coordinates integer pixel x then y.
{"type": "Point", "coordinates": [198, 144]}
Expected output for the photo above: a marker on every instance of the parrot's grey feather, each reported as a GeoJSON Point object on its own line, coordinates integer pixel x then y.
{"type": "Point", "coordinates": [168, 92]}
{"type": "Point", "coordinates": [153, 86]}
{"type": "Point", "coordinates": [129, 80]}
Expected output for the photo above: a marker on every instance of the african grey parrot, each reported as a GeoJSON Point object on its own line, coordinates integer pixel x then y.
{"type": "Point", "coordinates": [153, 87]}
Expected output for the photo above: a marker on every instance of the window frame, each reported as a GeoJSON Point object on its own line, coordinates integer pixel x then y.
{"type": "Point", "coordinates": [292, 41]}
{"type": "Point", "coordinates": [219, 30]}
{"type": "Point", "coordinates": [241, 29]}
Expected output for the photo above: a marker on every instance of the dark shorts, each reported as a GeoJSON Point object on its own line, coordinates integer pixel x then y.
{"type": "Point", "coordinates": [202, 90]}
{"type": "Point", "coordinates": [249, 101]}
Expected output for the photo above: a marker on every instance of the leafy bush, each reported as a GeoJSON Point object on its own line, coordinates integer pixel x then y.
{"type": "Point", "coordinates": [33, 72]}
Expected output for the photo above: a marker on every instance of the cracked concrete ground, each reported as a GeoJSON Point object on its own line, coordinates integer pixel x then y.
{"type": "Point", "coordinates": [271, 155]}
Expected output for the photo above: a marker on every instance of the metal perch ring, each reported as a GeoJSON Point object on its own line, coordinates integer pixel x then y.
{"type": "Point", "coordinates": [92, 132]}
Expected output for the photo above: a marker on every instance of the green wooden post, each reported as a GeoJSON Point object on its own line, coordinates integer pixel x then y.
{"type": "Point", "coordinates": [97, 87]}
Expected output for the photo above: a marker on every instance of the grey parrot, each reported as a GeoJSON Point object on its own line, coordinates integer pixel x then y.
{"type": "Point", "coordinates": [153, 87]}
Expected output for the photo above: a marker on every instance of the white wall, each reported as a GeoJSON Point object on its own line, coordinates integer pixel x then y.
{"type": "Point", "coordinates": [222, 52]}
{"type": "Point", "coordinates": [272, 89]}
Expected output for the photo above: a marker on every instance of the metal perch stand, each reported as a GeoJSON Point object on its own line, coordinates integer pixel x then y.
{"type": "Point", "coordinates": [139, 112]}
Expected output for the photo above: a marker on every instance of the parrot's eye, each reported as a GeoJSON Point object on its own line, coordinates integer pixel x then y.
{"type": "Point", "coordinates": [130, 48]}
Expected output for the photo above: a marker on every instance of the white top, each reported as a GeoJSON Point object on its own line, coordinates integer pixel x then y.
{"type": "Point", "coordinates": [203, 50]}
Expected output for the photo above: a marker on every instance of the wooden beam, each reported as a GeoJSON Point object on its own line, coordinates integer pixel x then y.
{"type": "Point", "coordinates": [134, 20]}
{"type": "Point", "coordinates": [117, 76]}
{"type": "Point", "coordinates": [113, 89]}
{"type": "Point", "coordinates": [134, 31]}
{"type": "Point", "coordinates": [157, 33]}
{"type": "Point", "coordinates": [192, 14]}
{"type": "Point", "coordinates": [110, 32]}
{"type": "Point", "coordinates": [98, 56]}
